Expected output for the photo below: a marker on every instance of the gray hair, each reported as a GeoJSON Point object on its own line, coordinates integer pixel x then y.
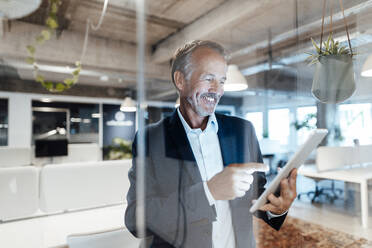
{"type": "Point", "coordinates": [181, 60]}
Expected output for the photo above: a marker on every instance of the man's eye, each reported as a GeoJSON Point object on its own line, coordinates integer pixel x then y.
{"type": "Point", "coordinates": [222, 82]}
{"type": "Point", "coordinates": [208, 79]}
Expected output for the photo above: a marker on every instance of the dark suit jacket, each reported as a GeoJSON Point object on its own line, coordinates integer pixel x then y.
{"type": "Point", "coordinates": [177, 210]}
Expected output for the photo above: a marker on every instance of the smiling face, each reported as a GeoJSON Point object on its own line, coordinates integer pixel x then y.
{"type": "Point", "coordinates": [202, 92]}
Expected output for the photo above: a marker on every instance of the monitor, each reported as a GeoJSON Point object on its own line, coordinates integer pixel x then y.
{"type": "Point", "coordinates": [51, 148]}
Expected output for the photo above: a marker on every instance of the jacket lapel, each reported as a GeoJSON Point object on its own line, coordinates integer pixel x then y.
{"type": "Point", "coordinates": [227, 144]}
{"type": "Point", "coordinates": [178, 147]}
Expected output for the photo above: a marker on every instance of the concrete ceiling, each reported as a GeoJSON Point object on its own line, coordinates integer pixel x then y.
{"type": "Point", "coordinates": [242, 26]}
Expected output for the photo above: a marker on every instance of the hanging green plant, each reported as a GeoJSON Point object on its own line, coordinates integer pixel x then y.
{"type": "Point", "coordinates": [51, 23]}
{"type": "Point", "coordinates": [333, 80]}
{"type": "Point", "coordinates": [330, 47]}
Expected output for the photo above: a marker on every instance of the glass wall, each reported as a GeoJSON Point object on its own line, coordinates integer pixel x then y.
{"type": "Point", "coordinates": [188, 175]}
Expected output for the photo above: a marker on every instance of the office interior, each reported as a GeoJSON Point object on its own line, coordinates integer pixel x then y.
{"type": "Point", "coordinates": [79, 78]}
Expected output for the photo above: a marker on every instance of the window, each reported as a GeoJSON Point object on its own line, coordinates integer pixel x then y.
{"type": "Point", "coordinates": [3, 122]}
{"type": "Point", "coordinates": [257, 120]}
{"type": "Point", "coordinates": [306, 118]}
{"type": "Point", "coordinates": [355, 123]}
{"type": "Point", "coordinates": [279, 125]}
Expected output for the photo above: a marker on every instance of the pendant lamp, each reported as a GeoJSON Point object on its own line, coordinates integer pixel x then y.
{"type": "Point", "coordinates": [128, 105]}
{"type": "Point", "coordinates": [367, 67]}
{"type": "Point", "coordinates": [235, 80]}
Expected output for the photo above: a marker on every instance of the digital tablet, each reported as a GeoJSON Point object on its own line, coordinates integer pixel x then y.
{"type": "Point", "coordinates": [296, 161]}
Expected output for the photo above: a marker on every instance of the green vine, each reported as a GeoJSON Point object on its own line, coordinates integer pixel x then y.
{"type": "Point", "coordinates": [51, 23]}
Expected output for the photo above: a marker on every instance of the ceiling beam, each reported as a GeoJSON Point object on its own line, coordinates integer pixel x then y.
{"type": "Point", "coordinates": [226, 14]}
{"type": "Point", "coordinates": [103, 54]}
{"type": "Point", "coordinates": [303, 30]}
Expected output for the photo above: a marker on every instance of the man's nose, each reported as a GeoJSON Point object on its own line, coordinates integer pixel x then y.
{"type": "Point", "coordinates": [215, 86]}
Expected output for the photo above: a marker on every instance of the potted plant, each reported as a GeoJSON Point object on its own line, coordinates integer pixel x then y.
{"type": "Point", "coordinates": [334, 74]}
{"type": "Point", "coordinates": [119, 149]}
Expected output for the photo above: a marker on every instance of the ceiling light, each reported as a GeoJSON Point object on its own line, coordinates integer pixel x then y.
{"type": "Point", "coordinates": [18, 9]}
{"type": "Point", "coordinates": [235, 81]}
{"type": "Point", "coordinates": [104, 78]}
{"type": "Point", "coordinates": [128, 105]}
{"type": "Point", "coordinates": [177, 102]}
{"type": "Point", "coordinates": [367, 67]}
{"type": "Point", "coordinates": [46, 100]}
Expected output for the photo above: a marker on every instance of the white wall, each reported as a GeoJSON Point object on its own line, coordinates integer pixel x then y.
{"type": "Point", "coordinates": [19, 121]}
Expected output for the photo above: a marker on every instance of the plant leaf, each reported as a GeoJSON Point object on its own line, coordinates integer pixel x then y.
{"type": "Point", "coordinates": [328, 41]}
{"type": "Point", "coordinates": [60, 87]}
{"type": "Point", "coordinates": [52, 23]}
{"type": "Point", "coordinates": [316, 46]}
{"type": "Point", "coordinates": [40, 39]}
{"type": "Point", "coordinates": [31, 49]}
{"type": "Point", "coordinates": [76, 72]}
{"type": "Point", "coordinates": [54, 8]}
{"type": "Point", "coordinates": [30, 60]}
{"type": "Point", "coordinates": [39, 79]}
{"type": "Point", "coordinates": [48, 85]}
{"type": "Point", "coordinates": [68, 81]}
{"type": "Point", "coordinates": [46, 34]}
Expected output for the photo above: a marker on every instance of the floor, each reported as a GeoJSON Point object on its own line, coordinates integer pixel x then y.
{"type": "Point", "coordinates": [50, 231]}
{"type": "Point", "coordinates": [343, 214]}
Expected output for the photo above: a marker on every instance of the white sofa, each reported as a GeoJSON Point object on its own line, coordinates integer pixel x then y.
{"type": "Point", "coordinates": [116, 238]}
{"type": "Point", "coordinates": [74, 186]}
{"type": "Point", "coordinates": [76, 153]}
{"type": "Point", "coordinates": [19, 192]}
{"type": "Point", "coordinates": [25, 190]}
{"type": "Point", "coordinates": [12, 157]}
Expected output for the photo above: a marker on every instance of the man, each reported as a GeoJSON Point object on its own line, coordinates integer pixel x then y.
{"type": "Point", "coordinates": [203, 170]}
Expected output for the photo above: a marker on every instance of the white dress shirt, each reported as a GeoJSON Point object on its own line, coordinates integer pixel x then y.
{"type": "Point", "coordinates": [206, 148]}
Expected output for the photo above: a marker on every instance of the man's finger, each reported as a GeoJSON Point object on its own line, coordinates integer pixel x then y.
{"type": "Point", "coordinates": [274, 200]}
{"type": "Point", "coordinates": [293, 179]}
{"type": "Point", "coordinates": [285, 191]}
{"type": "Point", "coordinates": [243, 186]}
{"type": "Point", "coordinates": [252, 167]}
{"type": "Point", "coordinates": [245, 177]}
{"type": "Point", "coordinates": [269, 207]}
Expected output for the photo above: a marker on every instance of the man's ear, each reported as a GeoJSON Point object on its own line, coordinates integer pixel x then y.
{"type": "Point", "coordinates": [179, 80]}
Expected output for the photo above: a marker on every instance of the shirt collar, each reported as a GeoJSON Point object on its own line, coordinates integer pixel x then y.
{"type": "Point", "coordinates": [211, 125]}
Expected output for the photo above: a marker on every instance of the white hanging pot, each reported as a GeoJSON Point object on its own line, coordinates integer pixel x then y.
{"type": "Point", "coordinates": [333, 79]}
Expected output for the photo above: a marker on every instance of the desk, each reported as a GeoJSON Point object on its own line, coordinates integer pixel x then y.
{"type": "Point", "coordinates": [359, 175]}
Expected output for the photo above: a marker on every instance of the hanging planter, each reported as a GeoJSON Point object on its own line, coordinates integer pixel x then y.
{"type": "Point", "coordinates": [333, 80]}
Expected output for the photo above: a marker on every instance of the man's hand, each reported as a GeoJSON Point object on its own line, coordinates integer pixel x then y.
{"type": "Point", "coordinates": [288, 193]}
{"type": "Point", "coordinates": [234, 180]}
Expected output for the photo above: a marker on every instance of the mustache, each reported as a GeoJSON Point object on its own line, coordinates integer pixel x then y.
{"type": "Point", "coordinates": [215, 96]}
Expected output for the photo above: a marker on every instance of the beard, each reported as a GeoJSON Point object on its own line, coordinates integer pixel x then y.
{"type": "Point", "coordinates": [204, 104]}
